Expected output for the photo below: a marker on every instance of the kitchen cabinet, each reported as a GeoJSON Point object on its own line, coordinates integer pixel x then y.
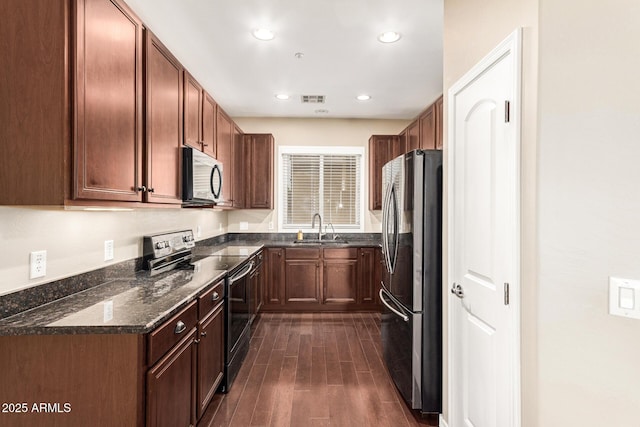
{"type": "Point", "coordinates": [171, 379]}
{"type": "Point", "coordinates": [210, 345]}
{"type": "Point", "coordinates": [192, 112]}
{"type": "Point", "coordinates": [224, 140]}
{"type": "Point", "coordinates": [321, 279]}
{"type": "Point", "coordinates": [439, 119]}
{"type": "Point", "coordinates": [369, 276]}
{"type": "Point", "coordinates": [259, 160]}
{"type": "Point", "coordinates": [302, 276]}
{"type": "Point", "coordinates": [427, 124]}
{"type": "Point", "coordinates": [340, 268]}
{"type": "Point", "coordinates": [412, 137]}
{"type": "Point", "coordinates": [273, 284]}
{"type": "Point", "coordinates": [164, 97]}
{"type": "Point", "coordinates": [382, 148]}
{"type": "Point", "coordinates": [199, 117]}
{"type": "Point", "coordinates": [238, 169]}
{"type": "Point", "coordinates": [79, 121]}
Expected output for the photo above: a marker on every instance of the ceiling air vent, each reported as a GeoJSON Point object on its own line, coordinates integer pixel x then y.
{"type": "Point", "coordinates": [312, 99]}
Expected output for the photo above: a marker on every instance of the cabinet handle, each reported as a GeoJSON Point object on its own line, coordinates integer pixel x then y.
{"type": "Point", "coordinates": [180, 327]}
{"type": "Point", "coordinates": [143, 188]}
{"type": "Point", "coordinates": [205, 145]}
{"type": "Point", "coordinates": [203, 334]}
{"type": "Point", "coordinates": [215, 296]}
{"type": "Point", "coordinates": [151, 190]}
{"type": "Point", "coordinates": [196, 341]}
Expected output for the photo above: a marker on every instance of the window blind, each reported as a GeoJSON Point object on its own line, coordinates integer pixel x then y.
{"type": "Point", "coordinates": [323, 183]}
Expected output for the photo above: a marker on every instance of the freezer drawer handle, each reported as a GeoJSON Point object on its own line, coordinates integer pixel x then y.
{"type": "Point", "coordinates": [402, 316]}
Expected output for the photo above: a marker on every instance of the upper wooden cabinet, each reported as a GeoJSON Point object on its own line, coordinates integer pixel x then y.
{"type": "Point", "coordinates": [163, 85]}
{"type": "Point", "coordinates": [199, 117]}
{"type": "Point", "coordinates": [413, 141]}
{"type": "Point", "coordinates": [259, 163]}
{"type": "Point", "coordinates": [382, 148]}
{"type": "Point", "coordinates": [225, 134]}
{"type": "Point", "coordinates": [238, 168]}
{"type": "Point", "coordinates": [427, 125]}
{"type": "Point", "coordinates": [439, 118]}
{"type": "Point", "coordinates": [209, 111]}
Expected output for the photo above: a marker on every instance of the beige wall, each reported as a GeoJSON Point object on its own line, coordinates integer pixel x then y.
{"type": "Point", "coordinates": [589, 200]}
{"type": "Point", "coordinates": [313, 132]}
{"type": "Point", "coordinates": [74, 240]}
{"type": "Point", "coordinates": [472, 30]}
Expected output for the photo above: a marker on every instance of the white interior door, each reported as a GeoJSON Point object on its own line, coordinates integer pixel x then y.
{"type": "Point", "coordinates": [483, 141]}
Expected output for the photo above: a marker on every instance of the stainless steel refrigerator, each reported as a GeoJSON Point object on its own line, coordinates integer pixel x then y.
{"type": "Point", "coordinates": [411, 290]}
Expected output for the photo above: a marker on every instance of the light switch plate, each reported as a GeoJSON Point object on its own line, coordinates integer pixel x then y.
{"type": "Point", "coordinates": [624, 297]}
{"type": "Point", "coordinates": [108, 250]}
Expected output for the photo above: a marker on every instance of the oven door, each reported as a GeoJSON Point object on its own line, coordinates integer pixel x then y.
{"type": "Point", "coordinates": [402, 348]}
{"type": "Point", "coordinates": [239, 305]}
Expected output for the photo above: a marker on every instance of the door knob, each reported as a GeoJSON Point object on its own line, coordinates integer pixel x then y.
{"type": "Point", "coordinates": [457, 290]}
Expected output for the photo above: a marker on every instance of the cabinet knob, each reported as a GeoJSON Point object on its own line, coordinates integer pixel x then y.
{"type": "Point", "coordinates": [196, 341]}
{"type": "Point", "coordinates": [143, 188]}
{"type": "Point", "coordinates": [180, 327]}
{"type": "Point", "coordinates": [151, 190]}
{"type": "Point", "coordinates": [215, 296]}
{"type": "Point", "coordinates": [203, 334]}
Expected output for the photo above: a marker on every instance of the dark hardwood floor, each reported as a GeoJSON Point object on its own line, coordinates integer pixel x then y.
{"type": "Point", "coordinates": [319, 369]}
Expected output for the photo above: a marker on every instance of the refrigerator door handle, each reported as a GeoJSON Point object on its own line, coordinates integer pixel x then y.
{"type": "Point", "coordinates": [385, 223]}
{"type": "Point", "coordinates": [384, 301]}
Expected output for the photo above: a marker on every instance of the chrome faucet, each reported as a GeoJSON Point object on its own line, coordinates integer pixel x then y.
{"type": "Point", "coordinates": [313, 224]}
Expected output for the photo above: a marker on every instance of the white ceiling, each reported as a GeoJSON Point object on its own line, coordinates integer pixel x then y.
{"type": "Point", "coordinates": [342, 57]}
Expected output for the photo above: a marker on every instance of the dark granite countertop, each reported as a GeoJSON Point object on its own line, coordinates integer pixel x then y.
{"type": "Point", "coordinates": [133, 305]}
{"type": "Point", "coordinates": [126, 299]}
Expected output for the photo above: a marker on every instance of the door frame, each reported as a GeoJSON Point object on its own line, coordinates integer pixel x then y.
{"type": "Point", "coordinates": [510, 45]}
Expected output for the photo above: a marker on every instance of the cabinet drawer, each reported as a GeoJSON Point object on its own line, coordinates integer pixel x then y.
{"type": "Point", "coordinates": [170, 332]}
{"type": "Point", "coordinates": [341, 253]}
{"type": "Point", "coordinates": [210, 299]}
{"type": "Point", "coordinates": [302, 253]}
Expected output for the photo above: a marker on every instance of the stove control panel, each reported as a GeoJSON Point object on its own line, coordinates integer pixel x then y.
{"type": "Point", "coordinates": [166, 244]}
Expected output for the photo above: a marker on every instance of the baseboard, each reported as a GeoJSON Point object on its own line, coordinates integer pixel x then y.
{"type": "Point", "coordinates": [442, 422]}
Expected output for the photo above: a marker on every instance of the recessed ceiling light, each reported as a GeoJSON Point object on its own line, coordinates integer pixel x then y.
{"type": "Point", "coordinates": [282, 96]}
{"type": "Point", "coordinates": [389, 37]}
{"type": "Point", "coordinates": [263, 34]}
{"type": "Point", "coordinates": [363, 97]}
{"type": "Point", "coordinates": [322, 111]}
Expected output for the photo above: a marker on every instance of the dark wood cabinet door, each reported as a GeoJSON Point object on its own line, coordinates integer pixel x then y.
{"type": "Point", "coordinates": [108, 102]}
{"type": "Point", "coordinates": [225, 154]}
{"type": "Point", "coordinates": [302, 281]}
{"type": "Point", "coordinates": [209, 108]}
{"type": "Point", "coordinates": [439, 122]}
{"type": "Point", "coordinates": [428, 129]}
{"type": "Point", "coordinates": [192, 112]}
{"type": "Point", "coordinates": [381, 150]}
{"type": "Point", "coordinates": [170, 387]}
{"type": "Point", "coordinates": [367, 284]}
{"type": "Point", "coordinates": [413, 137]}
{"type": "Point", "coordinates": [260, 161]}
{"type": "Point", "coordinates": [339, 281]}
{"type": "Point", "coordinates": [238, 169]}
{"type": "Point", "coordinates": [163, 123]}
{"type": "Point", "coordinates": [273, 276]}
{"type": "Point", "coordinates": [259, 297]}
{"type": "Point", "coordinates": [210, 357]}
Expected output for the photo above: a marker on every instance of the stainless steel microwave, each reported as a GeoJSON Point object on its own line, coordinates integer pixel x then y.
{"type": "Point", "coordinates": [201, 178]}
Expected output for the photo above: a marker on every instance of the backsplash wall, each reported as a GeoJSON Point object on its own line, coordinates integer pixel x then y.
{"type": "Point", "coordinates": [74, 240]}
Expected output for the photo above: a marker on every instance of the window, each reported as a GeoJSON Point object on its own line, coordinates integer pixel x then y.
{"type": "Point", "coordinates": [324, 180]}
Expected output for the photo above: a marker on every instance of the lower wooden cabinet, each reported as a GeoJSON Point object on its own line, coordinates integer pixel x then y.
{"type": "Point", "coordinates": [170, 386]}
{"type": "Point", "coordinates": [321, 279]}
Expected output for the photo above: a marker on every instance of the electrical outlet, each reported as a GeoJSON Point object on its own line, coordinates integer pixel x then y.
{"type": "Point", "coordinates": [108, 250]}
{"type": "Point", "coordinates": [220, 226]}
{"type": "Point", "coordinates": [244, 225]}
{"type": "Point", "coordinates": [38, 264]}
{"type": "Point", "coordinates": [270, 225]}
{"type": "Point", "coordinates": [198, 231]}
